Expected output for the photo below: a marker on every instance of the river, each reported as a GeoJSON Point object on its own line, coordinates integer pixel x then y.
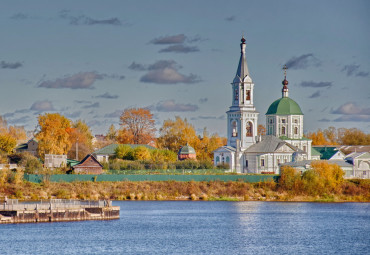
{"type": "Point", "coordinates": [199, 227]}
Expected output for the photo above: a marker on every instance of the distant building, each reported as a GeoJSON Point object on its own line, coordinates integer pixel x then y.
{"type": "Point", "coordinates": [186, 152]}
{"type": "Point", "coordinates": [89, 165]}
{"type": "Point", "coordinates": [53, 161]}
{"type": "Point", "coordinates": [330, 152]}
{"type": "Point", "coordinates": [30, 147]}
{"type": "Point", "coordinates": [361, 164]}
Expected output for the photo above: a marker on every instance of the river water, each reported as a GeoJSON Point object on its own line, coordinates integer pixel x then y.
{"type": "Point", "coordinates": [188, 227]}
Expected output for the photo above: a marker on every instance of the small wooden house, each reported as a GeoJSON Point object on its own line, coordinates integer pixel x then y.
{"type": "Point", "coordinates": [89, 165]}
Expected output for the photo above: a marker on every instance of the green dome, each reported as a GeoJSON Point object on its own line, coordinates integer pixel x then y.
{"type": "Point", "coordinates": [284, 106]}
{"type": "Point", "coordinates": [186, 150]}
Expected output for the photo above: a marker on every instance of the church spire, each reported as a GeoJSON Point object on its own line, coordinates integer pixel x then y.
{"type": "Point", "coordinates": [242, 71]}
{"type": "Point", "coordinates": [285, 90]}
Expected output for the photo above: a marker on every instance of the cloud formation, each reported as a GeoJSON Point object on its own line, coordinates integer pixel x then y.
{"type": "Point", "coordinates": [9, 65]}
{"type": "Point", "coordinates": [170, 39]}
{"type": "Point", "coordinates": [230, 18]}
{"type": "Point", "coordinates": [42, 106]}
{"type": "Point", "coordinates": [315, 94]}
{"type": "Point", "coordinates": [303, 61]}
{"type": "Point", "coordinates": [171, 106]}
{"type": "Point", "coordinates": [20, 16]}
{"type": "Point", "coordinates": [115, 114]}
{"type": "Point", "coordinates": [351, 109]}
{"type": "Point", "coordinates": [179, 49]}
{"type": "Point", "coordinates": [353, 118]}
{"type": "Point", "coordinates": [81, 80]}
{"type": "Point", "coordinates": [107, 96]}
{"type": "Point", "coordinates": [164, 72]}
{"type": "Point", "coordinates": [203, 100]}
{"type": "Point", "coordinates": [88, 21]}
{"type": "Point", "coordinates": [353, 70]}
{"type": "Point", "coordinates": [73, 115]}
{"type": "Point", "coordinates": [313, 84]}
{"type": "Point", "coordinates": [19, 121]}
{"type": "Point", "coordinates": [94, 105]}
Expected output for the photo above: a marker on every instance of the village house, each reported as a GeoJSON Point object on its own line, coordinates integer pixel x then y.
{"type": "Point", "coordinates": [30, 147]}
{"type": "Point", "coordinates": [89, 165]}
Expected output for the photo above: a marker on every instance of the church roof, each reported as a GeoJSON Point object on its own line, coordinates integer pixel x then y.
{"type": "Point", "coordinates": [284, 106]}
{"type": "Point", "coordinates": [270, 143]}
{"type": "Point", "coordinates": [242, 71]}
{"type": "Point", "coordinates": [186, 150]}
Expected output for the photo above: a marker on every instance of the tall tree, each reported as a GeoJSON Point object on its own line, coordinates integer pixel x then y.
{"type": "Point", "coordinates": [137, 126]}
{"type": "Point", "coordinates": [53, 135]}
{"type": "Point", "coordinates": [112, 133]}
{"type": "Point", "coordinates": [7, 143]}
{"type": "Point", "coordinates": [353, 136]}
{"type": "Point", "coordinates": [176, 133]}
{"type": "Point", "coordinates": [81, 140]}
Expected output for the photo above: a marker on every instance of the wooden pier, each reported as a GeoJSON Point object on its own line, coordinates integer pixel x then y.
{"type": "Point", "coordinates": [11, 211]}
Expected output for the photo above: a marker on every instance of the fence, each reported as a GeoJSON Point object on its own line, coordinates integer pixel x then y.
{"type": "Point", "coordinates": [137, 177]}
{"type": "Point", "coordinates": [13, 205]}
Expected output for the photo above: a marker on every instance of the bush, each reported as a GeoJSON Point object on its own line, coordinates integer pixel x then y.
{"type": "Point", "coordinates": [141, 153]}
{"type": "Point", "coordinates": [124, 152]}
{"type": "Point", "coordinates": [31, 164]}
{"type": "Point", "coordinates": [223, 166]}
{"type": "Point", "coordinates": [290, 179]}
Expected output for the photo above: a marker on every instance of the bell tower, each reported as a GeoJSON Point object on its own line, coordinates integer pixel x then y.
{"type": "Point", "coordinates": [242, 117]}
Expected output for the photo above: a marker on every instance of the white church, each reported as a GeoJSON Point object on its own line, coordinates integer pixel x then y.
{"type": "Point", "coordinates": [246, 152]}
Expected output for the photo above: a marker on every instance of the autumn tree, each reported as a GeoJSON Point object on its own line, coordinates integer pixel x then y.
{"type": "Point", "coordinates": [176, 133]}
{"type": "Point", "coordinates": [112, 133]}
{"type": "Point", "coordinates": [137, 126]}
{"type": "Point", "coordinates": [261, 130]}
{"type": "Point", "coordinates": [353, 136]}
{"type": "Point", "coordinates": [343, 136]}
{"type": "Point", "coordinates": [80, 138]}
{"type": "Point", "coordinates": [318, 138]}
{"type": "Point", "coordinates": [207, 144]}
{"type": "Point", "coordinates": [53, 134]}
{"type": "Point", "coordinates": [7, 143]}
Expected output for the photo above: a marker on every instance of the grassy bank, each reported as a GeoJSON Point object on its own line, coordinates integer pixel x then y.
{"type": "Point", "coordinates": [350, 190]}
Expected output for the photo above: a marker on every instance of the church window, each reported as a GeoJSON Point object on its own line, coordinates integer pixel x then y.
{"type": "Point", "coordinates": [296, 121]}
{"type": "Point", "coordinates": [270, 121]}
{"type": "Point", "coordinates": [283, 121]}
{"type": "Point", "coordinates": [296, 131]}
{"type": "Point", "coordinates": [249, 129]}
{"type": "Point", "coordinates": [246, 163]}
{"type": "Point", "coordinates": [234, 129]}
{"type": "Point", "coordinates": [305, 148]}
{"type": "Point", "coordinates": [236, 95]}
{"type": "Point", "coordinates": [227, 160]}
{"type": "Point", "coordinates": [278, 161]}
{"type": "Point", "coordinates": [217, 160]}
{"type": "Point", "coordinates": [283, 131]}
{"type": "Point", "coordinates": [262, 162]}
{"type": "Point", "coordinates": [248, 96]}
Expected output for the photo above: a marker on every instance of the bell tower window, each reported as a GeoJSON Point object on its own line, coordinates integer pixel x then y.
{"type": "Point", "coordinates": [249, 129]}
{"type": "Point", "coordinates": [234, 129]}
{"type": "Point", "coordinates": [296, 131]}
{"type": "Point", "coordinates": [248, 95]}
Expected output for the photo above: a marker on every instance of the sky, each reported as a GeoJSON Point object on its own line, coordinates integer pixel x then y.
{"type": "Point", "coordinates": [90, 60]}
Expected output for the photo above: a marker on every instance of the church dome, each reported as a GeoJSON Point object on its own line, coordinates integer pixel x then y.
{"type": "Point", "coordinates": [284, 106]}
{"type": "Point", "coordinates": [186, 150]}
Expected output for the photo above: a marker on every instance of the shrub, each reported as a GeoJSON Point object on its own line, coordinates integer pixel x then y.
{"type": "Point", "coordinates": [124, 152]}
{"type": "Point", "coordinates": [223, 166]}
{"type": "Point", "coordinates": [141, 153]}
{"type": "Point", "coordinates": [290, 179]}
{"type": "Point", "coordinates": [31, 164]}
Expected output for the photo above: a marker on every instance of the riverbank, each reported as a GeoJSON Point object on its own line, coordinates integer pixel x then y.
{"type": "Point", "coordinates": [348, 191]}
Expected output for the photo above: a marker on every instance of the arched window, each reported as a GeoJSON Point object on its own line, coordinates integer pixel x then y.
{"type": "Point", "coordinates": [248, 95]}
{"type": "Point", "coordinates": [283, 130]}
{"type": "Point", "coordinates": [234, 129]}
{"type": "Point", "coordinates": [249, 129]}
{"type": "Point", "coordinates": [296, 131]}
{"type": "Point", "coordinates": [227, 160]}
{"type": "Point", "coordinates": [217, 160]}
{"type": "Point", "coordinates": [236, 95]}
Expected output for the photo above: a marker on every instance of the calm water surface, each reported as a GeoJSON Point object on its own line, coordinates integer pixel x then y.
{"type": "Point", "coordinates": [184, 227]}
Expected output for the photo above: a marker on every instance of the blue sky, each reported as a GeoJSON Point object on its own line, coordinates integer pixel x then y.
{"type": "Point", "coordinates": [92, 59]}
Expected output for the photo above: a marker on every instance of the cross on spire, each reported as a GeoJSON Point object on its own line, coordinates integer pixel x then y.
{"type": "Point", "coordinates": [285, 68]}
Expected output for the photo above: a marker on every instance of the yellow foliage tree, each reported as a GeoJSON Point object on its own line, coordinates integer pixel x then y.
{"type": "Point", "coordinates": [54, 134]}
{"type": "Point", "coordinates": [7, 143]}
{"type": "Point", "coordinates": [80, 133]}
{"type": "Point", "coordinates": [137, 126]}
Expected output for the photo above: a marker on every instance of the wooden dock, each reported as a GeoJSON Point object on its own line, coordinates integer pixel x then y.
{"type": "Point", "coordinates": [11, 211]}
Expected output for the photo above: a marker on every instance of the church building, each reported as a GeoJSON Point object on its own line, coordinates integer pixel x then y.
{"type": "Point", "coordinates": [246, 151]}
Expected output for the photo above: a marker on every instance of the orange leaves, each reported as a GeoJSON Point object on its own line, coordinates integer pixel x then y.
{"type": "Point", "coordinates": [137, 126]}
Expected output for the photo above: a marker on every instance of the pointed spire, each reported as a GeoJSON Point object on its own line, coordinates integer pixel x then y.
{"type": "Point", "coordinates": [285, 90]}
{"type": "Point", "coordinates": [242, 67]}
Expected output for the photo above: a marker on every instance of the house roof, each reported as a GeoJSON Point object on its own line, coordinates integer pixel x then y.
{"type": "Point", "coordinates": [304, 163]}
{"type": "Point", "coordinates": [358, 155]}
{"type": "Point", "coordinates": [315, 152]}
{"type": "Point", "coordinates": [111, 148]}
{"type": "Point", "coordinates": [326, 152]}
{"type": "Point", "coordinates": [270, 143]}
{"type": "Point", "coordinates": [225, 149]}
{"type": "Point", "coordinates": [72, 162]}
{"type": "Point", "coordinates": [88, 156]}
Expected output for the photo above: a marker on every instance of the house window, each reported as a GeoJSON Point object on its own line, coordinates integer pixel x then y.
{"type": "Point", "coordinates": [262, 162]}
{"type": "Point", "coordinates": [248, 96]}
{"type": "Point", "coordinates": [249, 129]}
{"type": "Point", "coordinates": [283, 130]}
{"type": "Point", "coordinates": [234, 129]}
{"type": "Point", "coordinates": [296, 131]}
